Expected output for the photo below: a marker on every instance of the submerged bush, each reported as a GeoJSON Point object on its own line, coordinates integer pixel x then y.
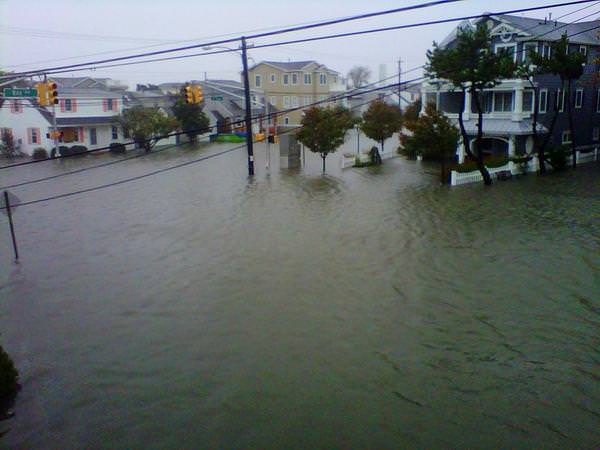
{"type": "Point", "coordinates": [8, 377]}
{"type": "Point", "coordinates": [558, 157]}
{"type": "Point", "coordinates": [116, 147]}
{"type": "Point", "coordinates": [39, 153]}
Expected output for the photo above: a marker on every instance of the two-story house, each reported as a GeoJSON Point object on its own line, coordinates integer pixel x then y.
{"type": "Point", "coordinates": [508, 107]}
{"type": "Point", "coordinates": [290, 85]}
{"type": "Point", "coordinates": [85, 116]}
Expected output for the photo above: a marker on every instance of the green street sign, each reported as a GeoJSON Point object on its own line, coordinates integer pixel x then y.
{"type": "Point", "coordinates": [216, 98]}
{"type": "Point", "coordinates": [20, 92]}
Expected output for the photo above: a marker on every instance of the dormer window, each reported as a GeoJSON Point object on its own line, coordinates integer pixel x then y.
{"type": "Point", "coordinates": [511, 49]}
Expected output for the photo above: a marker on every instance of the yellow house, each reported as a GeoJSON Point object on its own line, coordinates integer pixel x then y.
{"type": "Point", "coordinates": [288, 85]}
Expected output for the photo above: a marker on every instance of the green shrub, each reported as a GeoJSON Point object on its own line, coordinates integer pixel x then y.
{"type": "Point", "coordinates": [558, 157]}
{"type": "Point", "coordinates": [490, 162]}
{"type": "Point", "coordinates": [409, 152]}
{"type": "Point", "coordinates": [78, 149]}
{"type": "Point", "coordinates": [8, 377]}
{"type": "Point", "coordinates": [116, 147]}
{"type": "Point", "coordinates": [520, 159]}
{"type": "Point", "coordinates": [39, 153]}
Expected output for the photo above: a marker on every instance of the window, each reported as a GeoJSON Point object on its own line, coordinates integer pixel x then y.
{"type": "Point", "coordinates": [257, 80]}
{"type": "Point", "coordinates": [322, 98]}
{"type": "Point", "coordinates": [286, 78]}
{"type": "Point", "coordinates": [114, 133]}
{"type": "Point", "coordinates": [109, 104]}
{"type": "Point", "coordinates": [546, 50]}
{"type": "Point", "coordinates": [503, 101]}
{"type": "Point", "coordinates": [68, 104]}
{"type": "Point", "coordinates": [566, 137]}
{"type": "Point", "coordinates": [596, 133]}
{"type": "Point", "coordinates": [307, 78]}
{"type": "Point", "coordinates": [286, 120]}
{"type": "Point", "coordinates": [286, 101]}
{"type": "Point", "coordinates": [273, 100]}
{"type": "Point", "coordinates": [76, 135]}
{"type": "Point", "coordinates": [335, 79]}
{"type": "Point", "coordinates": [33, 135]}
{"type": "Point", "coordinates": [583, 50]}
{"type": "Point", "coordinates": [528, 100]}
{"type": "Point", "coordinates": [578, 98]}
{"type": "Point", "coordinates": [560, 100]}
{"type": "Point", "coordinates": [322, 79]}
{"type": "Point", "coordinates": [16, 107]}
{"type": "Point", "coordinates": [528, 49]}
{"type": "Point", "coordinates": [511, 49]}
{"type": "Point", "coordinates": [273, 78]}
{"type": "Point", "coordinates": [93, 136]}
{"type": "Point", "coordinates": [295, 101]}
{"type": "Point", "coordinates": [543, 106]}
{"type": "Point", "coordinates": [307, 100]}
{"type": "Point", "coordinates": [294, 78]}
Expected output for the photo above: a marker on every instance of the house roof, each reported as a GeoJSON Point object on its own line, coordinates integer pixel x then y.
{"type": "Point", "coordinates": [292, 66]}
{"type": "Point", "coordinates": [87, 92]}
{"type": "Point", "coordinates": [503, 127]}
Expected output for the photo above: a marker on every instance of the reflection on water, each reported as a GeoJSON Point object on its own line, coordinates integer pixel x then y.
{"type": "Point", "coordinates": [364, 308]}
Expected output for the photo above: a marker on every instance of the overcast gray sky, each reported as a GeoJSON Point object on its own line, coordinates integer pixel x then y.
{"type": "Point", "coordinates": [38, 33]}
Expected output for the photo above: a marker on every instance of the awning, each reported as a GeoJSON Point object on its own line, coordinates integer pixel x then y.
{"type": "Point", "coordinates": [83, 121]}
{"type": "Point", "coordinates": [503, 127]}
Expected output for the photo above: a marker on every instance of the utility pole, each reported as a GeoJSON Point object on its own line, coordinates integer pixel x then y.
{"type": "Point", "coordinates": [248, 110]}
{"type": "Point", "coordinates": [400, 84]}
{"type": "Point", "coordinates": [268, 133]}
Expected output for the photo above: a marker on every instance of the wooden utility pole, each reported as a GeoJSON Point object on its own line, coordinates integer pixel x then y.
{"type": "Point", "coordinates": [249, 143]}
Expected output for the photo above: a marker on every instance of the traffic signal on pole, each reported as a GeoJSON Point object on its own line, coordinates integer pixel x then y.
{"type": "Point", "coordinates": [188, 95]}
{"type": "Point", "coordinates": [52, 87]}
{"type": "Point", "coordinates": [198, 95]}
{"type": "Point", "coordinates": [42, 96]}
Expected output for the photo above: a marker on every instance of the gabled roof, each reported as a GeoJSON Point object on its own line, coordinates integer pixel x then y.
{"type": "Point", "coordinates": [87, 92]}
{"type": "Point", "coordinates": [293, 66]}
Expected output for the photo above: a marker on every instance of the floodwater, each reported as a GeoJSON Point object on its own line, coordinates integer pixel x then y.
{"type": "Point", "coordinates": [368, 308]}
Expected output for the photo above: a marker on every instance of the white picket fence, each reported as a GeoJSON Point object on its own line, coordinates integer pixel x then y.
{"type": "Point", "coordinates": [458, 178]}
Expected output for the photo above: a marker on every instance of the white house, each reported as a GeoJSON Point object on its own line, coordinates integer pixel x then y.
{"type": "Point", "coordinates": [84, 116]}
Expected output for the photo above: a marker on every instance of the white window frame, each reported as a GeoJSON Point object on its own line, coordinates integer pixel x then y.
{"type": "Point", "coordinates": [532, 104]}
{"type": "Point", "coordinates": [497, 47]}
{"type": "Point", "coordinates": [286, 120]}
{"type": "Point", "coordinates": [322, 98]}
{"type": "Point", "coordinates": [578, 98]}
{"type": "Point", "coordinates": [546, 50]}
{"type": "Point", "coordinates": [566, 137]}
{"type": "Point", "coordinates": [294, 78]}
{"type": "Point", "coordinates": [545, 109]}
{"type": "Point", "coordinates": [257, 80]}
{"type": "Point", "coordinates": [68, 104]}
{"type": "Point", "coordinates": [560, 94]}
{"type": "Point", "coordinates": [35, 136]}
{"type": "Point", "coordinates": [525, 46]}
{"type": "Point", "coordinates": [273, 100]}
{"type": "Point", "coordinates": [307, 100]}
{"type": "Point", "coordinates": [322, 79]}
{"type": "Point", "coordinates": [596, 134]}
{"type": "Point", "coordinates": [114, 133]}
{"type": "Point", "coordinates": [584, 48]}
{"type": "Point", "coordinates": [285, 79]}
{"type": "Point", "coordinates": [309, 76]}
{"type": "Point", "coordinates": [286, 101]}
{"type": "Point", "coordinates": [273, 78]}
{"type": "Point", "coordinates": [512, 101]}
{"type": "Point", "coordinates": [295, 101]}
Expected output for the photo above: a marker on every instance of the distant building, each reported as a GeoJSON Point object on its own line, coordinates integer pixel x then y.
{"type": "Point", "coordinates": [290, 85]}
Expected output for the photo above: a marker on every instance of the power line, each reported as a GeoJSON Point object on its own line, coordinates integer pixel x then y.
{"type": "Point", "coordinates": [261, 35]}
{"type": "Point", "coordinates": [93, 65]}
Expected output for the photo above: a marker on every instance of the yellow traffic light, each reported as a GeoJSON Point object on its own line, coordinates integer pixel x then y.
{"type": "Point", "coordinates": [42, 96]}
{"type": "Point", "coordinates": [188, 95]}
{"type": "Point", "coordinates": [198, 95]}
{"type": "Point", "coordinates": [52, 87]}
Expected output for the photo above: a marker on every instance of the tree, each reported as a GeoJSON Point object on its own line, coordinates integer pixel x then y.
{"type": "Point", "coordinates": [9, 378]}
{"type": "Point", "coordinates": [324, 129]}
{"type": "Point", "coordinates": [359, 75]}
{"type": "Point", "coordinates": [191, 118]}
{"type": "Point", "coordinates": [411, 113]}
{"type": "Point", "coordinates": [432, 136]}
{"type": "Point", "coordinates": [381, 121]}
{"type": "Point", "coordinates": [471, 67]}
{"type": "Point", "coordinates": [146, 125]}
{"type": "Point", "coordinates": [569, 67]}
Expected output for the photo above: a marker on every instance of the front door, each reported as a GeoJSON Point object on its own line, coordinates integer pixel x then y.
{"type": "Point", "coordinates": [93, 138]}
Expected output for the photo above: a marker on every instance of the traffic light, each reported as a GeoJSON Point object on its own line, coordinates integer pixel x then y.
{"type": "Point", "coordinates": [198, 96]}
{"type": "Point", "coordinates": [52, 87]}
{"type": "Point", "coordinates": [42, 96]}
{"type": "Point", "coordinates": [188, 94]}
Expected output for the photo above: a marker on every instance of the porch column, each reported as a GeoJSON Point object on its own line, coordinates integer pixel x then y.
{"type": "Point", "coordinates": [529, 145]}
{"type": "Point", "coordinates": [423, 99]}
{"type": "Point", "coordinates": [518, 107]}
{"type": "Point", "coordinates": [512, 145]}
{"type": "Point", "coordinates": [467, 110]}
{"type": "Point", "coordinates": [460, 151]}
